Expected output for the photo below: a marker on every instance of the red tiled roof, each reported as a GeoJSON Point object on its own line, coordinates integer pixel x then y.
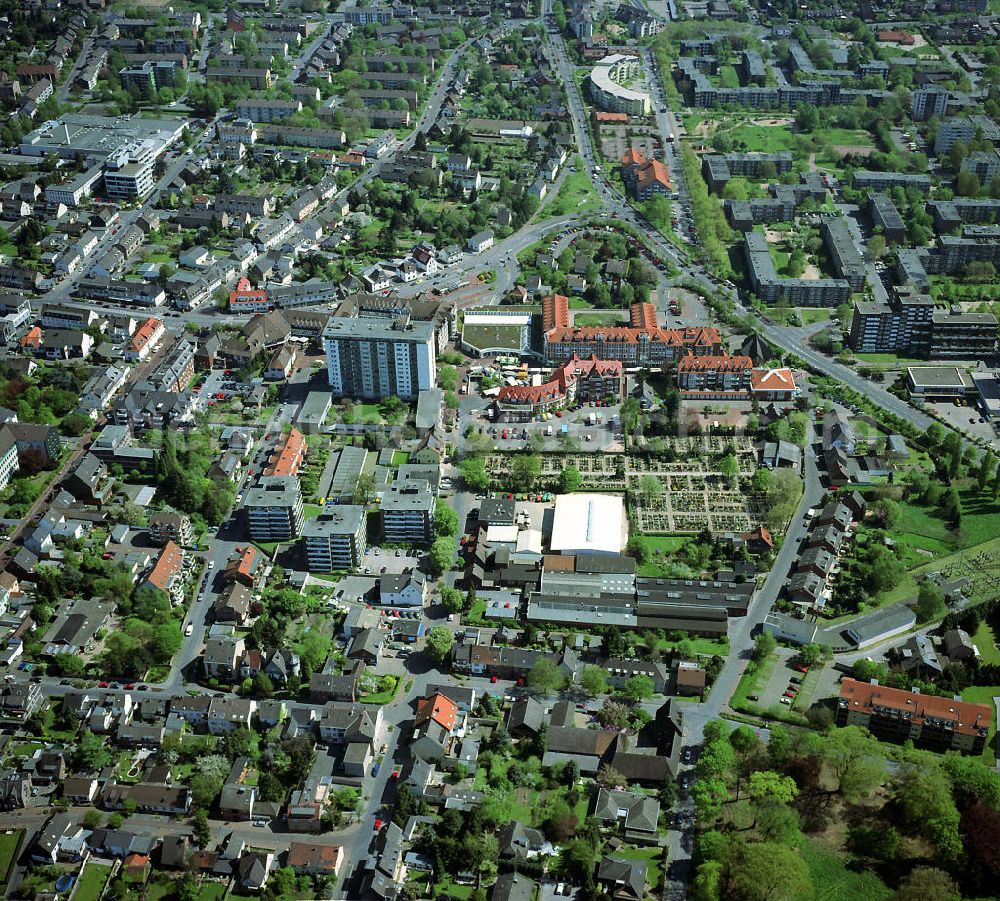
{"type": "Point", "coordinates": [633, 157]}
{"type": "Point", "coordinates": [654, 171]}
{"type": "Point", "coordinates": [562, 377]}
{"type": "Point", "coordinates": [610, 118]}
{"type": "Point", "coordinates": [437, 707]}
{"type": "Point", "coordinates": [33, 338]}
{"type": "Point", "coordinates": [244, 292]}
{"type": "Point", "coordinates": [772, 380]}
{"type": "Point", "coordinates": [144, 333]}
{"type": "Point", "coordinates": [555, 311]}
{"type": "Point", "coordinates": [964, 717]}
{"type": "Point", "coordinates": [168, 566]}
{"type": "Point", "coordinates": [285, 461]}
{"type": "Point", "coordinates": [642, 315]}
{"type": "Point", "coordinates": [725, 363]}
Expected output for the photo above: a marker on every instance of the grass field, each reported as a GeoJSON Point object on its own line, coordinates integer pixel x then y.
{"type": "Point", "coordinates": [728, 77]}
{"type": "Point", "coordinates": [986, 639]}
{"type": "Point", "coordinates": [576, 194]}
{"type": "Point", "coordinates": [762, 138]}
{"type": "Point", "coordinates": [612, 317]}
{"type": "Point", "coordinates": [9, 844]}
{"type": "Point", "coordinates": [809, 315]}
{"type": "Point", "coordinates": [834, 879]}
{"type": "Point", "coordinates": [91, 882]}
{"type": "Point", "coordinates": [884, 360]}
{"type": "Point", "coordinates": [984, 694]}
{"type": "Point", "coordinates": [311, 511]}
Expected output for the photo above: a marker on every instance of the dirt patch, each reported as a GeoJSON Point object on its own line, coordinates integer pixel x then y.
{"type": "Point", "coordinates": [857, 149]}
{"type": "Point", "coordinates": [774, 237]}
{"type": "Point", "coordinates": [812, 271]}
{"type": "Point", "coordinates": [786, 120]}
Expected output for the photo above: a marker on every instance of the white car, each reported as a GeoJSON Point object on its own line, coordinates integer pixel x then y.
{"type": "Point", "coordinates": [189, 629]}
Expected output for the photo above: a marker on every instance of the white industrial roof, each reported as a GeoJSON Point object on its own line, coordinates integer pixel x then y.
{"type": "Point", "coordinates": [589, 524]}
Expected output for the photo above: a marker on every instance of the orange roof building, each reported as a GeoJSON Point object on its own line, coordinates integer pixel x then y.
{"type": "Point", "coordinates": [32, 340]}
{"type": "Point", "coordinates": [714, 374]}
{"type": "Point", "coordinates": [144, 339]}
{"type": "Point", "coordinates": [243, 566]}
{"type": "Point", "coordinates": [895, 714]}
{"type": "Point", "coordinates": [644, 177]}
{"type": "Point", "coordinates": [167, 571]}
{"type": "Point", "coordinates": [245, 297]}
{"type": "Point", "coordinates": [602, 118]}
{"type": "Point", "coordinates": [575, 380]}
{"type": "Point", "coordinates": [304, 857]}
{"type": "Point", "coordinates": [439, 709]}
{"type": "Point", "coordinates": [288, 456]}
{"type": "Point", "coordinates": [642, 343]}
{"type": "Point", "coordinates": [773, 384]}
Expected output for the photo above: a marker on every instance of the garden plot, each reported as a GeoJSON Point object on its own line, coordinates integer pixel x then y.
{"type": "Point", "coordinates": [683, 491]}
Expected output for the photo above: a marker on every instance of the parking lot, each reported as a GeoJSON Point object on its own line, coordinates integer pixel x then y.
{"type": "Point", "coordinates": [782, 676]}
{"type": "Point", "coordinates": [383, 560]}
{"type": "Point", "coordinates": [588, 436]}
{"type": "Point", "coordinates": [968, 420]}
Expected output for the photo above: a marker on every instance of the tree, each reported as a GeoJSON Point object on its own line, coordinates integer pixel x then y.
{"type": "Point", "coordinates": [545, 677]}
{"type": "Point", "coordinates": [639, 688]}
{"type": "Point", "coordinates": [69, 664]}
{"type": "Point", "coordinates": [452, 600]}
{"type": "Point", "coordinates": [474, 473]}
{"type": "Point", "coordinates": [569, 479]}
{"type": "Point", "coordinates": [764, 645]}
{"type": "Point", "coordinates": [927, 884]}
{"type": "Point", "coordinates": [709, 795]}
{"type": "Point", "coordinates": [876, 247]}
{"type": "Point", "coordinates": [609, 777]}
{"type": "Point", "coordinates": [445, 521]}
{"type": "Point", "coordinates": [615, 644]}
{"type": "Point", "coordinates": [967, 184]}
{"type": "Point", "coordinates": [930, 601]}
{"type": "Point", "coordinates": [856, 759]}
{"type": "Point", "coordinates": [441, 554]}
{"type": "Point", "coordinates": [771, 786]}
{"type": "Point", "coordinates": [91, 753]}
{"type": "Point", "coordinates": [439, 642]}
{"type": "Point", "coordinates": [524, 471]}
{"type": "Point", "coordinates": [729, 467]}
{"type": "Point", "coordinates": [594, 680]}
{"type": "Point", "coordinates": [770, 872]}
{"type": "Point", "coordinates": [202, 831]}
{"type": "Point", "coordinates": [650, 489]}
{"type": "Point", "coordinates": [810, 654]}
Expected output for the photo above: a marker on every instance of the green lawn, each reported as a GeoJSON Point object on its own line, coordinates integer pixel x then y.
{"type": "Point", "coordinates": [367, 413]}
{"type": "Point", "coordinates": [311, 511]}
{"type": "Point", "coordinates": [580, 303]}
{"type": "Point", "coordinates": [384, 696]}
{"type": "Point", "coordinates": [26, 748]}
{"type": "Point", "coordinates": [9, 844]}
{"type": "Point", "coordinates": [984, 694]}
{"type": "Point", "coordinates": [809, 315]}
{"type": "Point", "coordinates": [705, 646]}
{"type": "Point", "coordinates": [835, 880]}
{"type": "Point", "coordinates": [985, 639]}
{"type": "Point", "coordinates": [728, 77]}
{"type": "Point", "coordinates": [91, 882]}
{"type": "Point", "coordinates": [611, 318]}
{"type": "Point", "coordinates": [212, 891]}
{"type": "Point", "coordinates": [576, 195]}
{"type": "Point", "coordinates": [752, 683]}
{"type": "Point", "coordinates": [763, 138]}
{"type": "Point", "coordinates": [885, 360]}
{"type": "Point", "coordinates": [399, 458]}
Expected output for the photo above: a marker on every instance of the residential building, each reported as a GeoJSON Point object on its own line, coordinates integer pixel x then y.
{"type": "Point", "coordinates": [337, 539]}
{"type": "Point", "coordinates": [895, 714]}
{"type": "Point", "coordinates": [166, 525]}
{"type": "Point", "coordinates": [408, 513]}
{"type": "Point", "coordinates": [926, 103]}
{"type": "Point", "coordinates": [606, 87]}
{"type": "Point", "coordinates": [274, 509]}
{"type": "Point", "coordinates": [167, 574]}
{"type": "Point", "coordinates": [374, 358]}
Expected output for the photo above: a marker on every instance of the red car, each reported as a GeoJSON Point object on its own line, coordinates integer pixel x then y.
{"type": "Point", "coordinates": [799, 668]}
{"type": "Point", "coordinates": [789, 694]}
{"type": "Point", "coordinates": [103, 684]}
{"type": "Point", "coordinates": [493, 679]}
{"type": "Point", "coordinates": [520, 680]}
{"type": "Point", "coordinates": [378, 825]}
{"type": "Point", "coordinates": [504, 435]}
{"type": "Point", "coordinates": [220, 395]}
{"type": "Point", "coordinates": [129, 686]}
{"type": "Point", "coordinates": [394, 775]}
{"type": "Point", "coordinates": [107, 555]}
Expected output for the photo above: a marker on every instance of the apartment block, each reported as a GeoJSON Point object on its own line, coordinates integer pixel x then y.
{"type": "Point", "coordinates": [274, 509]}
{"type": "Point", "coordinates": [800, 292]}
{"type": "Point", "coordinates": [882, 181]}
{"type": "Point", "coordinates": [336, 539]}
{"type": "Point", "coordinates": [894, 714]}
{"type": "Point", "coordinates": [408, 513]}
{"type": "Point", "coordinates": [844, 253]}
{"type": "Point", "coordinates": [885, 216]}
{"type": "Point", "coordinates": [928, 102]}
{"type": "Point", "coordinates": [373, 358]}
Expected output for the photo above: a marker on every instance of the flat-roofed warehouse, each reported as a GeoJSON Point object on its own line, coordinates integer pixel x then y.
{"type": "Point", "coordinates": [589, 524]}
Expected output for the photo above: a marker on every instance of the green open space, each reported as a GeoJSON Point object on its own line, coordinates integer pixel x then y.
{"type": "Point", "coordinates": [986, 640]}
{"type": "Point", "coordinates": [311, 511]}
{"type": "Point", "coordinates": [810, 315]}
{"type": "Point", "coordinates": [211, 891]}
{"type": "Point", "coordinates": [728, 77]}
{"type": "Point", "coordinates": [836, 878]}
{"type": "Point", "coordinates": [576, 195]}
{"type": "Point", "coordinates": [613, 317]}
{"type": "Point", "coordinates": [984, 694]}
{"type": "Point", "coordinates": [91, 882]}
{"type": "Point", "coordinates": [887, 360]}
{"type": "Point", "coordinates": [10, 842]}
